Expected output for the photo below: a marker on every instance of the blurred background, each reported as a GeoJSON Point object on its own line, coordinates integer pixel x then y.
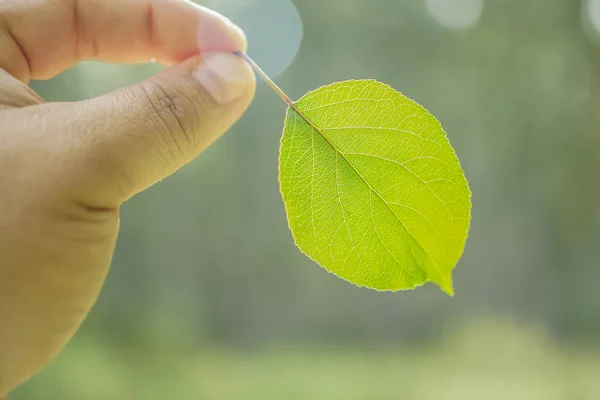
{"type": "Point", "coordinates": [209, 299]}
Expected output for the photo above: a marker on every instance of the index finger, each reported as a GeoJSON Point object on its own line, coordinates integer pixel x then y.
{"type": "Point", "coordinates": [40, 38]}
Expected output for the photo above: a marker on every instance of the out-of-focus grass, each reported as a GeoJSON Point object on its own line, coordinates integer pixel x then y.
{"type": "Point", "coordinates": [486, 360]}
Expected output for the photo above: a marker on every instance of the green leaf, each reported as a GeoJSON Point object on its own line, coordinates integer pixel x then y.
{"type": "Point", "coordinates": [373, 190]}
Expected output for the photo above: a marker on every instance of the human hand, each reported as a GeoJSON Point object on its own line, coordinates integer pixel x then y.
{"type": "Point", "coordinates": [65, 168]}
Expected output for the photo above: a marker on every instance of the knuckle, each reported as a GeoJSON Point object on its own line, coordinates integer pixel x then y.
{"type": "Point", "coordinates": [173, 110]}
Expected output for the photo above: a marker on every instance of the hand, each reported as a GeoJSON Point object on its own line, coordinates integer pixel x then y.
{"type": "Point", "coordinates": [65, 168]}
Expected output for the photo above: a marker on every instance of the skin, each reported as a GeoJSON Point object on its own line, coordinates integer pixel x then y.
{"type": "Point", "coordinates": [66, 168]}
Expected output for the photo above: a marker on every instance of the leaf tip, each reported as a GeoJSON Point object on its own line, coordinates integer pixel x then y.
{"type": "Point", "coordinates": [445, 284]}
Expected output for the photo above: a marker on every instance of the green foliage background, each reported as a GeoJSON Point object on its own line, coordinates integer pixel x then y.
{"type": "Point", "coordinates": [208, 298]}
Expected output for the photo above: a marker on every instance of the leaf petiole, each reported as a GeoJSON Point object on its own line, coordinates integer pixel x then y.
{"type": "Point", "coordinates": [276, 89]}
{"type": "Point", "coordinates": [264, 77]}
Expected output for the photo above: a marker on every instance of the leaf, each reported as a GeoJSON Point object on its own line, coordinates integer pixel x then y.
{"type": "Point", "coordinates": [373, 190]}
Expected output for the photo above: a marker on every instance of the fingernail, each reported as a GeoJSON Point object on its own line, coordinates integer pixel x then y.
{"type": "Point", "coordinates": [217, 32]}
{"type": "Point", "coordinates": [225, 76]}
{"type": "Point", "coordinates": [221, 34]}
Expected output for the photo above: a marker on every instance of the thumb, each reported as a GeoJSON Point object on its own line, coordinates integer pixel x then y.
{"type": "Point", "coordinates": [125, 141]}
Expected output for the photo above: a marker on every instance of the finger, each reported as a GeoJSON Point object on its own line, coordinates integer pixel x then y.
{"type": "Point", "coordinates": [40, 38]}
{"type": "Point", "coordinates": [116, 145]}
{"type": "Point", "coordinates": [15, 94]}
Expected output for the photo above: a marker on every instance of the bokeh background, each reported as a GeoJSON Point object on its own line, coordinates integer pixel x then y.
{"type": "Point", "coordinates": [209, 299]}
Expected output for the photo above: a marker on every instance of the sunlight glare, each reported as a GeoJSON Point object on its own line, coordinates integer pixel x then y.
{"type": "Point", "coordinates": [455, 14]}
{"type": "Point", "coordinates": [273, 29]}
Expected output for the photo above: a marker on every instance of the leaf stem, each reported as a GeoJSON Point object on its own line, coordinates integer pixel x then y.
{"type": "Point", "coordinates": [264, 77]}
{"type": "Point", "coordinates": [276, 89]}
